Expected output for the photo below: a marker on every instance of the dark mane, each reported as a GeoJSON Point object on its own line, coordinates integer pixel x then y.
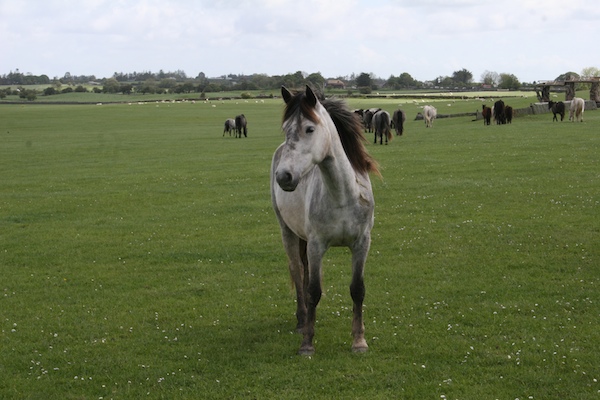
{"type": "Point", "coordinates": [348, 126]}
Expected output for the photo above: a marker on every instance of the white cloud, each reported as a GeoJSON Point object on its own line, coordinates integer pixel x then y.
{"type": "Point", "coordinates": [426, 38]}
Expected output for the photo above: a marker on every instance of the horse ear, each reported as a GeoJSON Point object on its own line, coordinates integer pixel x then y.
{"type": "Point", "coordinates": [287, 95]}
{"type": "Point", "coordinates": [310, 96]}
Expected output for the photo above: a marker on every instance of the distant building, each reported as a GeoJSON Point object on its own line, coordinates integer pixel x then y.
{"type": "Point", "coordinates": [335, 84]}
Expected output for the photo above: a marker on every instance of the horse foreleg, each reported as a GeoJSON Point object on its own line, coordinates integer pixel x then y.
{"type": "Point", "coordinates": [315, 252]}
{"type": "Point", "coordinates": [357, 292]}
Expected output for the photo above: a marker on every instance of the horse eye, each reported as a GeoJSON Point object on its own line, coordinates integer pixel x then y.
{"type": "Point", "coordinates": [310, 129]}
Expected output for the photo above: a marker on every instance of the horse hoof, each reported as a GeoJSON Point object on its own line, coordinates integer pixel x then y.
{"type": "Point", "coordinates": [306, 351]}
{"type": "Point", "coordinates": [360, 346]}
{"type": "Point", "coordinates": [360, 349]}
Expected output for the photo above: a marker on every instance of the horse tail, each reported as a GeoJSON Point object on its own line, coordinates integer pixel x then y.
{"type": "Point", "coordinates": [385, 121]}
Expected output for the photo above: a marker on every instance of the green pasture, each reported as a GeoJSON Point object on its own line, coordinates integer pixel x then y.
{"type": "Point", "coordinates": [140, 258]}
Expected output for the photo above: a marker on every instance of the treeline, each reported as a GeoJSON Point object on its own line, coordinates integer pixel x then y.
{"type": "Point", "coordinates": [147, 82]}
{"type": "Point", "coordinates": [179, 81]}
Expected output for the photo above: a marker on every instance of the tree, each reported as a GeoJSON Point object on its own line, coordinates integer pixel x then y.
{"type": "Point", "coordinates": [316, 80]}
{"type": "Point", "coordinates": [67, 78]}
{"type": "Point", "coordinates": [111, 86]}
{"type": "Point", "coordinates": [364, 80]}
{"type": "Point", "coordinates": [463, 76]}
{"type": "Point", "coordinates": [590, 72]}
{"type": "Point", "coordinates": [126, 88]}
{"type": "Point", "coordinates": [405, 80]}
{"type": "Point", "coordinates": [29, 94]}
{"type": "Point", "coordinates": [509, 81]}
{"type": "Point", "coordinates": [490, 78]}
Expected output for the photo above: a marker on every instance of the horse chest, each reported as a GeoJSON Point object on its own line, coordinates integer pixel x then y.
{"type": "Point", "coordinates": [319, 216]}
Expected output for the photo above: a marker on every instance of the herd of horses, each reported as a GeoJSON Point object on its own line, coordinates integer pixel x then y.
{"type": "Point", "coordinates": [503, 114]}
{"type": "Point", "coordinates": [237, 126]}
{"type": "Point", "coordinates": [500, 112]}
{"type": "Point", "coordinates": [379, 121]}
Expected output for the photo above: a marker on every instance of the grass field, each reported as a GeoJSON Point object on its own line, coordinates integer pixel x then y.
{"type": "Point", "coordinates": [140, 258]}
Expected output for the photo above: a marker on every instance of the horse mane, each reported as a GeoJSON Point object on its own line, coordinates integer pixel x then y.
{"type": "Point", "coordinates": [347, 123]}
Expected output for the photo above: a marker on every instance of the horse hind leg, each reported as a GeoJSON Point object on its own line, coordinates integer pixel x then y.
{"type": "Point", "coordinates": [357, 292]}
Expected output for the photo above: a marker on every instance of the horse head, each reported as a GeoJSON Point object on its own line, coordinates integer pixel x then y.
{"type": "Point", "coordinates": [307, 127]}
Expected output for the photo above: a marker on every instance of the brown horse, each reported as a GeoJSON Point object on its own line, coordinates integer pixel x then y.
{"type": "Point", "coordinates": [486, 112]}
{"type": "Point", "coordinates": [508, 114]}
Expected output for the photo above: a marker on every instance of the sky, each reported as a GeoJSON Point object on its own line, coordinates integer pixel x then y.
{"type": "Point", "coordinates": [533, 40]}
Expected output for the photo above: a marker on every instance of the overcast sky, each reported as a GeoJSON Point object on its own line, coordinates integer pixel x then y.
{"type": "Point", "coordinates": [534, 40]}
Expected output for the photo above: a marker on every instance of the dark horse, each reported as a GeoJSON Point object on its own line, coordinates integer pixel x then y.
{"type": "Point", "coordinates": [368, 118]}
{"type": "Point", "coordinates": [508, 114]}
{"type": "Point", "coordinates": [398, 121]}
{"type": "Point", "coordinates": [486, 112]}
{"type": "Point", "coordinates": [557, 108]}
{"type": "Point", "coordinates": [499, 115]}
{"type": "Point", "coordinates": [381, 126]}
{"type": "Point", "coordinates": [240, 126]}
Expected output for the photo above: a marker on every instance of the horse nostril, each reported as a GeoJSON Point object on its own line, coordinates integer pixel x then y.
{"type": "Point", "coordinates": [285, 179]}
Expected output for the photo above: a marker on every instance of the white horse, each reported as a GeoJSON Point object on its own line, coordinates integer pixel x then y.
{"type": "Point", "coordinates": [576, 110]}
{"type": "Point", "coordinates": [229, 126]}
{"type": "Point", "coordinates": [429, 114]}
{"type": "Point", "coordinates": [322, 196]}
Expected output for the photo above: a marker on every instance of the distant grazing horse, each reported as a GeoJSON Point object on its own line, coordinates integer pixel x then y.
{"type": "Point", "coordinates": [557, 108]}
{"type": "Point", "coordinates": [486, 112]}
{"type": "Point", "coordinates": [498, 111]}
{"type": "Point", "coordinates": [229, 126]}
{"type": "Point", "coordinates": [381, 126]}
{"type": "Point", "coordinates": [577, 109]}
{"type": "Point", "coordinates": [240, 126]}
{"type": "Point", "coordinates": [368, 118]}
{"type": "Point", "coordinates": [322, 197]}
{"type": "Point", "coordinates": [398, 121]}
{"type": "Point", "coordinates": [429, 114]}
{"type": "Point", "coordinates": [508, 114]}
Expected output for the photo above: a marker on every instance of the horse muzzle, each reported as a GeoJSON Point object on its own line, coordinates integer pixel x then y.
{"type": "Point", "coordinates": [286, 181]}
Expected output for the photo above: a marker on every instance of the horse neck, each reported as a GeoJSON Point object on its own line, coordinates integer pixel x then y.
{"type": "Point", "coordinates": [339, 177]}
